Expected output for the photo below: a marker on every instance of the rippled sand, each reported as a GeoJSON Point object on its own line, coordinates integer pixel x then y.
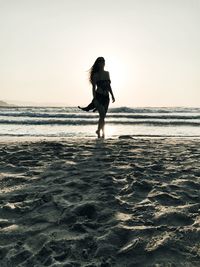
{"type": "Point", "coordinates": [117, 202]}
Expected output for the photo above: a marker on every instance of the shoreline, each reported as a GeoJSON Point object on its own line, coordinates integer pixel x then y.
{"type": "Point", "coordinates": [9, 139]}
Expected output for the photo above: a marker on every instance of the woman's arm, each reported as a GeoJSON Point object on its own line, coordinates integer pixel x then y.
{"type": "Point", "coordinates": [110, 90]}
{"type": "Point", "coordinates": [93, 90]}
{"type": "Point", "coordinates": [94, 86]}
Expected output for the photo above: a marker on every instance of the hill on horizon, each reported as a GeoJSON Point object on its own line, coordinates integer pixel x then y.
{"type": "Point", "coordinates": [5, 104]}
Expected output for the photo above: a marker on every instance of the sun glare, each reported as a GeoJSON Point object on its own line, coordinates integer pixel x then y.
{"type": "Point", "coordinates": [110, 131]}
{"type": "Point", "coordinates": [119, 73]}
{"type": "Point", "coordinates": [116, 70]}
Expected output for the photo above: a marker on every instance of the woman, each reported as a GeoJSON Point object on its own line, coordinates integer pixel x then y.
{"type": "Point", "coordinates": [100, 78]}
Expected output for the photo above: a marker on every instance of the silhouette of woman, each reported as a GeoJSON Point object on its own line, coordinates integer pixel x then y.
{"type": "Point", "coordinates": [98, 76]}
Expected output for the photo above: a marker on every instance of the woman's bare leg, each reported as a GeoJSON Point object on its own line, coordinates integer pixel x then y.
{"type": "Point", "coordinates": [101, 121]}
{"type": "Point", "coordinates": [103, 127]}
{"type": "Point", "coordinates": [105, 112]}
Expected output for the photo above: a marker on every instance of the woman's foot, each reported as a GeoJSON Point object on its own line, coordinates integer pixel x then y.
{"type": "Point", "coordinates": [98, 133]}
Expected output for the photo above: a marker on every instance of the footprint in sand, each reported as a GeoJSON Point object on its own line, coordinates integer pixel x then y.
{"type": "Point", "coordinates": [73, 197]}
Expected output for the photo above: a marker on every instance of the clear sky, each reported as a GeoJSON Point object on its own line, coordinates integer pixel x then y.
{"type": "Point", "coordinates": [151, 48]}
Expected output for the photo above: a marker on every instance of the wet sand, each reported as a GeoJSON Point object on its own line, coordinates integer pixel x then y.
{"type": "Point", "coordinates": [121, 202]}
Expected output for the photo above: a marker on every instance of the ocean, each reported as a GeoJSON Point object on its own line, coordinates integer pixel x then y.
{"type": "Point", "coordinates": [72, 122]}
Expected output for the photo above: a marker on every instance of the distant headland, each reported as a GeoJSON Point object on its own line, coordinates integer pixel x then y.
{"type": "Point", "coordinates": [5, 104]}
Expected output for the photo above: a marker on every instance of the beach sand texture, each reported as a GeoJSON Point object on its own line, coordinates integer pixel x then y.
{"type": "Point", "coordinates": [121, 202]}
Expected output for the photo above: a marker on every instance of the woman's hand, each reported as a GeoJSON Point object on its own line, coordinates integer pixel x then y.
{"type": "Point", "coordinates": [113, 99]}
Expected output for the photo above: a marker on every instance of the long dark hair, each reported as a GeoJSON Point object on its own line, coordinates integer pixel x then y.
{"type": "Point", "coordinates": [95, 67]}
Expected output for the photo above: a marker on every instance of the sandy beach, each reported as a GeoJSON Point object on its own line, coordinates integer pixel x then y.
{"type": "Point", "coordinates": [121, 202]}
